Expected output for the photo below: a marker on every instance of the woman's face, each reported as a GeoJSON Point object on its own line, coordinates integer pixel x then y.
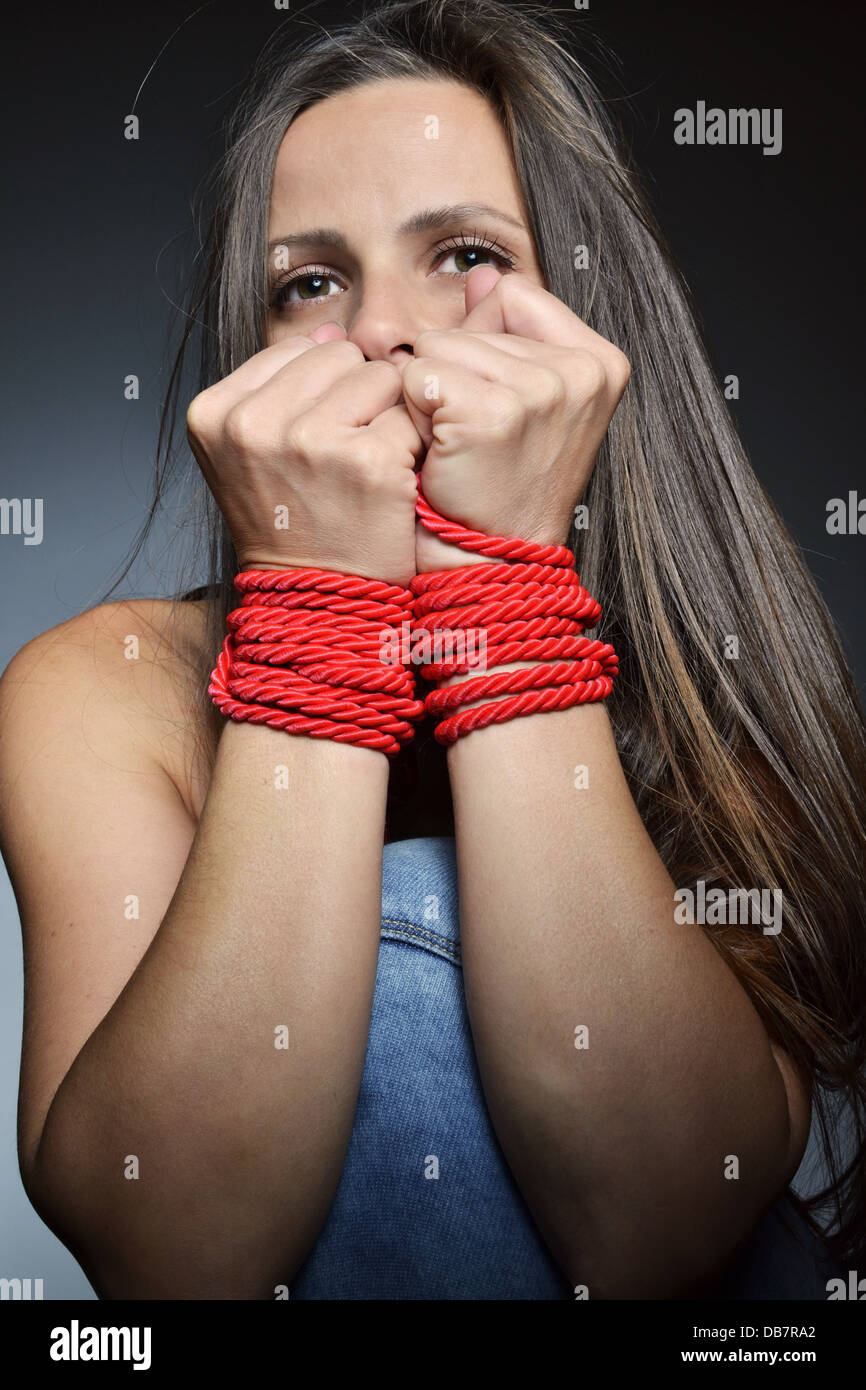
{"type": "Point", "coordinates": [384, 198]}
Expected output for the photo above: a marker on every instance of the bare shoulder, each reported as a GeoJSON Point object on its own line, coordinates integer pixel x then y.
{"type": "Point", "coordinates": [126, 677]}
{"type": "Point", "coordinates": [100, 797]}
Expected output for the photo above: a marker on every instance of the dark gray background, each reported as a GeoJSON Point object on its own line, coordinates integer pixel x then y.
{"type": "Point", "coordinates": [93, 248]}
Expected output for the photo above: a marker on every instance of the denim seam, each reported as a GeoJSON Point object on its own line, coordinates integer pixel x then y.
{"type": "Point", "coordinates": [422, 936]}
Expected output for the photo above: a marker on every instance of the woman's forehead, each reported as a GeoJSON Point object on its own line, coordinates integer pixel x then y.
{"type": "Point", "coordinates": [387, 147]}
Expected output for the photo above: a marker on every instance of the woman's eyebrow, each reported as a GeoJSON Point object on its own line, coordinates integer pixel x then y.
{"type": "Point", "coordinates": [425, 221]}
{"type": "Point", "coordinates": [431, 218]}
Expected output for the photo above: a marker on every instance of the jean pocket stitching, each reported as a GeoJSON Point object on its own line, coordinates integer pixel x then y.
{"type": "Point", "coordinates": [422, 936]}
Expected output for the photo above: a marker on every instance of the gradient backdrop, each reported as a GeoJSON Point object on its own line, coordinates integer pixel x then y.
{"type": "Point", "coordinates": [95, 237]}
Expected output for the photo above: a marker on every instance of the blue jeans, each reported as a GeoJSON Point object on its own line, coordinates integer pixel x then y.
{"type": "Point", "coordinates": [426, 1207]}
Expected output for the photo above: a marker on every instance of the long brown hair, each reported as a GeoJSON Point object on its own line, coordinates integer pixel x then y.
{"type": "Point", "coordinates": [746, 772]}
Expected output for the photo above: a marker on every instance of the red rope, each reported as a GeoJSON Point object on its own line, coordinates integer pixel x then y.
{"type": "Point", "coordinates": [312, 652]}
{"type": "Point", "coordinates": [304, 654]}
{"type": "Point", "coordinates": [531, 605]}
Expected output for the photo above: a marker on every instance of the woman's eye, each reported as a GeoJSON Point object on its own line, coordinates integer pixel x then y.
{"type": "Point", "coordinates": [314, 285]}
{"type": "Point", "coordinates": [471, 255]}
{"type": "Point", "coordinates": [309, 286]}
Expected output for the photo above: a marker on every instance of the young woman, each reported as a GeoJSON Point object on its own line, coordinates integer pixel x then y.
{"type": "Point", "coordinates": [261, 1050]}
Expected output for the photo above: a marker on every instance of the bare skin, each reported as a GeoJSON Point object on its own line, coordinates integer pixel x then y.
{"type": "Point", "coordinates": [138, 1040]}
{"type": "Point", "coordinates": [151, 1035]}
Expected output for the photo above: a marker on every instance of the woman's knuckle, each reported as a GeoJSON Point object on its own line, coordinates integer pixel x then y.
{"type": "Point", "coordinates": [509, 416]}
{"type": "Point", "coordinates": [548, 389]}
{"type": "Point", "coordinates": [367, 459]}
{"type": "Point", "coordinates": [591, 375]}
{"type": "Point", "coordinates": [241, 427]}
{"type": "Point", "coordinates": [389, 371]}
{"type": "Point", "coordinates": [303, 437]}
{"type": "Point", "coordinates": [198, 415]}
{"type": "Point", "coordinates": [343, 349]}
{"type": "Point", "coordinates": [620, 369]}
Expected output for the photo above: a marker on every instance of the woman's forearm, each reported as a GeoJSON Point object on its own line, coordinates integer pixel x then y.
{"type": "Point", "coordinates": [228, 1069]}
{"type": "Point", "coordinates": [622, 1137]}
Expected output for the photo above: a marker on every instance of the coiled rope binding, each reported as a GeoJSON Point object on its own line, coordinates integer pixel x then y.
{"type": "Point", "coordinates": [302, 654]}
{"type": "Point", "coordinates": [531, 605]}
{"type": "Point", "coordinates": [304, 651]}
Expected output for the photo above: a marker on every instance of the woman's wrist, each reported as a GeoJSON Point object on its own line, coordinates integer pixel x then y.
{"type": "Point", "coordinates": [244, 738]}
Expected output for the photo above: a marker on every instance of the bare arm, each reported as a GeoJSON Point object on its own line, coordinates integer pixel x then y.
{"type": "Point", "coordinates": [622, 1147]}
{"type": "Point", "coordinates": [166, 1134]}
{"type": "Point", "coordinates": [273, 925]}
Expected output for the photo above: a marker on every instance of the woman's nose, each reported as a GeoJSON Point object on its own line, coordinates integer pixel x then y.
{"type": "Point", "coordinates": [389, 316]}
{"type": "Point", "coordinates": [331, 331]}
